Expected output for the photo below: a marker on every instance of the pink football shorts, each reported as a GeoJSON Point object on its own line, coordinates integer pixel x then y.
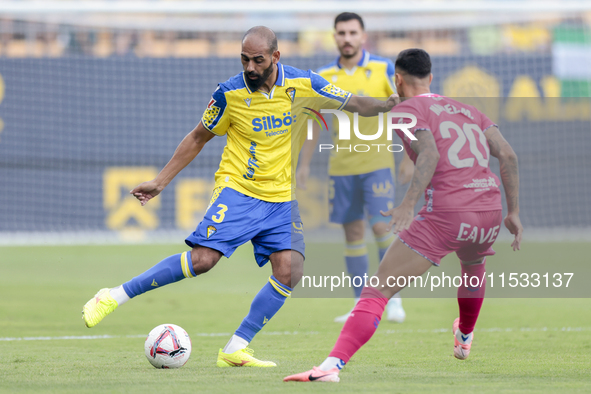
{"type": "Point", "coordinates": [434, 235]}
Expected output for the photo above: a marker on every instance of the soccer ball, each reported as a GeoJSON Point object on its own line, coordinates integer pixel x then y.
{"type": "Point", "coordinates": [168, 346]}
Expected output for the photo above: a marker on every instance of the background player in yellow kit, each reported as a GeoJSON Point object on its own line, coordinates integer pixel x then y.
{"type": "Point", "coordinates": [361, 183]}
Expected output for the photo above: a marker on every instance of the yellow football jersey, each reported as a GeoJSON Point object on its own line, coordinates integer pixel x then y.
{"type": "Point", "coordinates": [257, 159]}
{"type": "Point", "coordinates": [373, 76]}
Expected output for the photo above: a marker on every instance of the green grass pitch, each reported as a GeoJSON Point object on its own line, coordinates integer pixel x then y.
{"type": "Point", "coordinates": [520, 344]}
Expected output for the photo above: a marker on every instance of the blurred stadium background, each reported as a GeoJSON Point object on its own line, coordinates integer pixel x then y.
{"type": "Point", "coordinates": [96, 95]}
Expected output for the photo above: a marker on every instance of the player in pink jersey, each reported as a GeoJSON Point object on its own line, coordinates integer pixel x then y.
{"type": "Point", "coordinates": [451, 145]}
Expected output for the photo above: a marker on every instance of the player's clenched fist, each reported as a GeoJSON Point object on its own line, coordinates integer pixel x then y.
{"type": "Point", "coordinates": [144, 192]}
{"type": "Point", "coordinates": [393, 100]}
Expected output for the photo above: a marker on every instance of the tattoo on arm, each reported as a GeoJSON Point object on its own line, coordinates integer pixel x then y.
{"type": "Point", "coordinates": [500, 148]}
{"type": "Point", "coordinates": [425, 165]}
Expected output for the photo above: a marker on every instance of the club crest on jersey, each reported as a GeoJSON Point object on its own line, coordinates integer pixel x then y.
{"type": "Point", "coordinates": [211, 230]}
{"type": "Point", "coordinates": [291, 92]}
{"type": "Point", "coordinates": [367, 73]}
{"type": "Point", "coordinates": [247, 101]}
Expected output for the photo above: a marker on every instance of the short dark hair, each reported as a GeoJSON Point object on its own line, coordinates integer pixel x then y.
{"type": "Point", "coordinates": [266, 33]}
{"type": "Point", "coordinates": [415, 62]}
{"type": "Point", "coordinates": [347, 16]}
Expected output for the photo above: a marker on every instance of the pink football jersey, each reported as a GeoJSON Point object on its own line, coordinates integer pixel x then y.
{"type": "Point", "coordinates": [463, 180]}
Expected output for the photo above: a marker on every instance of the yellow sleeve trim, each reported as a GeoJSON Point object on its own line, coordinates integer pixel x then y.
{"type": "Point", "coordinates": [346, 101]}
{"type": "Point", "coordinates": [210, 130]}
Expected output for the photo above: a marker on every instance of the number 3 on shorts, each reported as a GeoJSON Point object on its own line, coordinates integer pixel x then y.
{"type": "Point", "coordinates": [221, 214]}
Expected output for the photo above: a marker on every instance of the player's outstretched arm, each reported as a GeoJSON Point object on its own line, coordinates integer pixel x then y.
{"type": "Point", "coordinates": [427, 158]}
{"type": "Point", "coordinates": [500, 148]}
{"type": "Point", "coordinates": [187, 150]}
{"type": "Point", "coordinates": [369, 106]}
{"type": "Point", "coordinates": [406, 169]}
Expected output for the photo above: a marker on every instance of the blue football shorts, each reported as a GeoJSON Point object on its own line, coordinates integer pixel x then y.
{"type": "Point", "coordinates": [233, 219]}
{"type": "Point", "coordinates": [353, 196]}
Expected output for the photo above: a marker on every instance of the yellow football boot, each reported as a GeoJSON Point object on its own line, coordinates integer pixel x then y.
{"type": "Point", "coordinates": [242, 358]}
{"type": "Point", "coordinates": [98, 307]}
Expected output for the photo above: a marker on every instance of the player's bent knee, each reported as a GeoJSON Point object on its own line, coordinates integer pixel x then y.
{"type": "Point", "coordinates": [204, 259]}
{"type": "Point", "coordinates": [296, 269]}
{"type": "Point", "coordinates": [288, 267]}
{"type": "Point", "coordinates": [354, 231]}
{"type": "Point", "coordinates": [283, 275]}
{"type": "Point", "coordinates": [380, 229]}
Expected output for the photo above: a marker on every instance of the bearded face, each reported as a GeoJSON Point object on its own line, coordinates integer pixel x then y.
{"type": "Point", "coordinates": [255, 80]}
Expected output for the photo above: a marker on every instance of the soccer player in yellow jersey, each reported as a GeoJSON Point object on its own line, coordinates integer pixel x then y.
{"type": "Point", "coordinates": [252, 199]}
{"type": "Point", "coordinates": [361, 183]}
